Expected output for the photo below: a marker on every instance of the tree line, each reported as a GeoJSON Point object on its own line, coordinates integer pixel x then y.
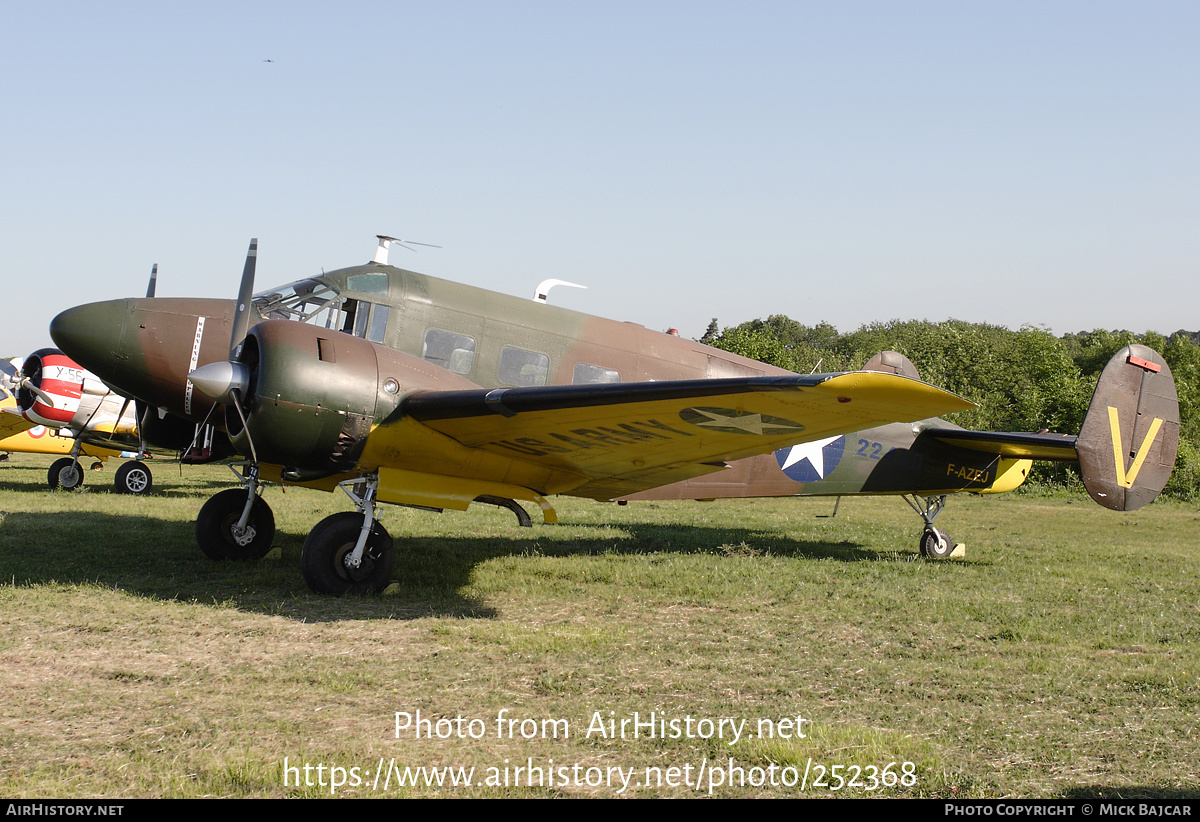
{"type": "Point", "coordinates": [1023, 380]}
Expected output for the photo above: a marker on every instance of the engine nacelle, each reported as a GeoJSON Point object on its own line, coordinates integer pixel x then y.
{"type": "Point", "coordinates": [61, 383]}
{"type": "Point", "coordinates": [314, 394]}
{"type": "Point", "coordinates": [53, 390]}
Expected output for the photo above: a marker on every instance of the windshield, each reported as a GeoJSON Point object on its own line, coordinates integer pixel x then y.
{"type": "Point", "coordinates": [306, 301]}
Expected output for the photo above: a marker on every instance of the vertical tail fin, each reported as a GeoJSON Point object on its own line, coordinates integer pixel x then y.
{"type": "Point", "coordinates": [1130, 436]}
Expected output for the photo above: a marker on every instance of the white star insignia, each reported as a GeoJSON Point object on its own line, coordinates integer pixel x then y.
{"type": "Point", "coordinates": [811, 451]}
{"type": "Point", "coordinates": [750, 423]}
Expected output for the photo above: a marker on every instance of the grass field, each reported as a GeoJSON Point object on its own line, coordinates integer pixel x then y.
{"type": "Point", "coordinates": [1061, 658]}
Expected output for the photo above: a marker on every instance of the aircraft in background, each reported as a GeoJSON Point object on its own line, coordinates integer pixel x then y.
{"type": "Point", "coordinates": [1126, 449]}
{"type": "Point", "coordinates": [19, 436]}
{"type": "Point", "coordinates": [52, 406]}
{"type": "Point", "coordinates": [403, 388]}
{"type": "Point", "coordinates": [57, 407]}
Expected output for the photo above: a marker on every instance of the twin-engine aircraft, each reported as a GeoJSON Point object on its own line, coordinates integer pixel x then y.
{"type": "Point", "coordinates": [403, 388]}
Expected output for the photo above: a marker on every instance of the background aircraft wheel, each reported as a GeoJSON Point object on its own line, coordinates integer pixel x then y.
{"type": "Point", "coordinates": [323, 559]}
{"type": "Point", "coordinates": [65, 473]}
{"type": "Point", "coordinates": [133, 478]}
{"type": "Point", "coordinates": [216, 520]}
{"type": "Point", "coordinates": [936, 544]}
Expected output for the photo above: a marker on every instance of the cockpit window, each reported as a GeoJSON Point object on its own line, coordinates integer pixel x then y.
{"type": "Point", "coordinates": [306, 301]}
{"type": "Point", "coordinates": [373, 283]}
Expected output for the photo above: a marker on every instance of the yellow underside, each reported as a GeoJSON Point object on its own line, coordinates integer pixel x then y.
{"type": "Point", "coordinates": [605, 451]}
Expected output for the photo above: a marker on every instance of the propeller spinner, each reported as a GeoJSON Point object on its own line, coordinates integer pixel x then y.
{"type": "Point", "coordinates": [220, 380]}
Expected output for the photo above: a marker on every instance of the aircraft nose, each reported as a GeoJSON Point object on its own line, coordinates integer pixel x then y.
{"type": "Point", "coordinates": [91, 334]}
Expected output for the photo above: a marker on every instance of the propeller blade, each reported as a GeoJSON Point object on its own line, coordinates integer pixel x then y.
{"type": "Point", "coordinates": [26, 384]}
{"type": "Point", "coordinates": [241, 312]}
{"type": "Point", "coordinates": [153, 281]}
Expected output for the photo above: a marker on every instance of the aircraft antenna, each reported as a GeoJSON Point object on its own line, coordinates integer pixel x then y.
{"type": "Point", "coordinates": [543, 290]}
{"type": "Point", "coordinates": [385, 243]}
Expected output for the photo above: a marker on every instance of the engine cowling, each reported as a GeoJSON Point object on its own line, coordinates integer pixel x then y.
{"type": "Point", "coordinates": [62, 387]}
{"type": "Point", "coordinates": [53, 390]}
{"type": "Point", "coordinates": [312, 395]}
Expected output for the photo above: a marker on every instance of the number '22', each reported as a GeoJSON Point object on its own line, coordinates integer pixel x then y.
{"type": "Point", "coordinates": [870, 450]}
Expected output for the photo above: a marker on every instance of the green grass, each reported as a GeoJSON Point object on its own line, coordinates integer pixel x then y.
{"type": "Point", "coordinates": [1060, 658]}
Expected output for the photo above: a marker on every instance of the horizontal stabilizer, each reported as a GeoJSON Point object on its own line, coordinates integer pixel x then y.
{"type": "Point", "coordinates": [1015, 445]}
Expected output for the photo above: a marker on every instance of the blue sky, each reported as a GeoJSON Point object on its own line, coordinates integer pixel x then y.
{"type": "Point", "coordinates": [1012, 163]}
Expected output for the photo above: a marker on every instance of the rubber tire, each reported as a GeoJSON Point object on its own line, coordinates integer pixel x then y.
{"type": "Point", "coordinates": [935, 548]}
{"type": "Point", "coordinates": [61, 476]}
{"type": "Point", "coordinates": [330, 541]}
{"type": "Point", "coordinates": [133, 477]}
{"type": "Point", "coordinates": [214, 526]}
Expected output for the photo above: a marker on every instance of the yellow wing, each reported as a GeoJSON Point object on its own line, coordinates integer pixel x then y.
{"type": "Point", "coordinates": [604, 441]}
{"type": "Point", "coordinates": [12, 423]}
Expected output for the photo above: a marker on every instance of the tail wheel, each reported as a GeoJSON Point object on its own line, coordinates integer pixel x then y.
{"type": "Point", "coordinates": [133, 478]}
{"type": "Point", "coordinates": [65, 473]}
{"type": "Point", "coordinates": [216, 527]}
{"type": "Point", "coordinates": [936, 544]}
{"type": "Point", "coordinates": [326, 558]}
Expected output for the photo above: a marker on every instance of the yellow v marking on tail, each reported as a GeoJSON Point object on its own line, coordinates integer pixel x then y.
{"type": "Point", "coordinates": [1125, 480]}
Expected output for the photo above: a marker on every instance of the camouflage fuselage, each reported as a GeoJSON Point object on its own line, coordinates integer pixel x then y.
{"type": "Point", "coordinates": [471, 337]}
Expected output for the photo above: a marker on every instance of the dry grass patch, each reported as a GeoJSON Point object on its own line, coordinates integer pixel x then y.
{"type": "Point", "coordinates": [1060, 658]}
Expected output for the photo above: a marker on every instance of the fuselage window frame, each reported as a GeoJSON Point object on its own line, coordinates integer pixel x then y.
{"type": "Point", "coordinates": [521, 367]}
{"type": "Point", "coordinates": [450, 350]}
{"type": "Point", "coordinates": [586, 374]}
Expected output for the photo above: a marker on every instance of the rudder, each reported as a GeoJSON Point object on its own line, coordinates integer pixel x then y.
{"type": "Point", "coordinates": [1130, 436]}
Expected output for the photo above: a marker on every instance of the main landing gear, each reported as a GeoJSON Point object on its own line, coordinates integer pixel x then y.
{"type": "Point", "coordinates": [237, 524]}
{"type": "Point", "coordinates": [935, 544]}
{"type": "Point", "coordinates": [65, 474]}
{"type": "Point", "coordinates": [346, 553]}
{"type": "Point", "coordinates": [350, 552]}
{"type": "Point", "coordinates": [133, 477]}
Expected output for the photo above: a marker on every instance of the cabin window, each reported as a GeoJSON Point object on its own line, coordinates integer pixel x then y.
{"type": "Point", "coordinates": [593, 373]}
{"type": "Point", "coordinates": [454, 352]}
{"type": "Point", "coordinates": [521, 367]}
